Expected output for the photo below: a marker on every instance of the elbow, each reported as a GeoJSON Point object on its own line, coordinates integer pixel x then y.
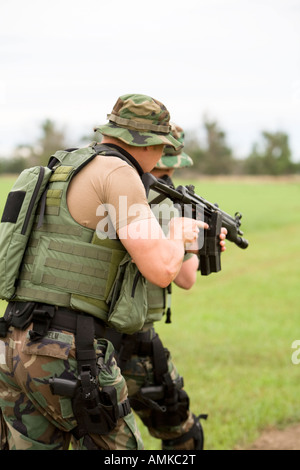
{"type": "Point", "coordinates": [185, 283]}
{"type": "Point", "coordinates": [160, 275]}
{"type": "Point", "coordinates": [165, 278]}
{"type": "Point", "coordinates": [163, 284]}
{"type": "Point", "coordinates": [161, 267]}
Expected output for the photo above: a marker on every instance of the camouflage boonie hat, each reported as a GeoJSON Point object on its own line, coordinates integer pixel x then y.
{"type": "Point", "coordinates": [139, 120]}
{"type": "Point", "coordinates": [175, 158]}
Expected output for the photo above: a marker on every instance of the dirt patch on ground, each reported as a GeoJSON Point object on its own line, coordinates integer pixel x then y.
{"type": "Point", "coordinates": [277, 439]}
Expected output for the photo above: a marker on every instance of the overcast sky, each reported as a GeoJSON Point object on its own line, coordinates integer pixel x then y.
{"type": "Point", "coordinates": [238, 61]}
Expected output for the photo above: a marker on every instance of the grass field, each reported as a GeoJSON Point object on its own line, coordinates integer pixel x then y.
{"type": "Point", "coordinates": [231, 335]}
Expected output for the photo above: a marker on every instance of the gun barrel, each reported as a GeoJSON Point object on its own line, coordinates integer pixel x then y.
{"type": "Point", "coordinates": [233, 231]}
{"type": "Point", "coordinates": [242, 243]}
{"type": "Point", "coordinates": [233, 236]}
{"type": "Point", "coordinates": [184, 195]}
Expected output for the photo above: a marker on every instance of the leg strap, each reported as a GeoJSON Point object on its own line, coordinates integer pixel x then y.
{"type": "Point", "coordinates": [85, 352]}
{"type": "Point", "coordinates": [195, 433]}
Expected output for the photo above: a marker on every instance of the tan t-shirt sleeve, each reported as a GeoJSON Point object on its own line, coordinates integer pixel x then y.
{"type": "Point", "coordinates": [125, 196]}
{"type": "Point", "coordinates": [107, 191]}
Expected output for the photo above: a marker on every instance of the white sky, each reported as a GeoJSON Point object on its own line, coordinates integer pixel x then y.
{"type": "Point", "coordinates": [238, 61]}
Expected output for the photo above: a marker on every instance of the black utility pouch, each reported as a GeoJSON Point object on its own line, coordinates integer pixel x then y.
{"type": "Point", "coordinates": [3, 328]}
{"type": "Point", "coordinates": [16, 224]}
{"type": "Point", "coordinates": [19, 314]}
{"type": "Point", "coordinates": [96, 413]}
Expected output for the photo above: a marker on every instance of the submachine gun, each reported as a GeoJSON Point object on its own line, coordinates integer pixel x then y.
{"type": "Point", "coordinates": [184, 197]}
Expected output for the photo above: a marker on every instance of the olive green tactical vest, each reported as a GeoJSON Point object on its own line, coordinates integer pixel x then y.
{"type": "Point", "coordinates": [65, 263]}
{"type": "Point", "coordinates": [156, 300]}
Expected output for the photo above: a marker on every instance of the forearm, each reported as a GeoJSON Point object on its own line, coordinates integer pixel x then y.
{"type": "Point", "coordinates": [158, 257]}
{"type": "Point", "coordinates": [161, 260]}
{"type": "Point", "coordinates": [187, 275]}
{"type": "Point", "coordinates": [169, 263]}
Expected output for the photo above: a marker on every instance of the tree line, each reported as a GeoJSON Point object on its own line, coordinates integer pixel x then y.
{"type": "Point", "coordinates": [212, 155]}
{"type": "Point", "coordinates": [271, 155]}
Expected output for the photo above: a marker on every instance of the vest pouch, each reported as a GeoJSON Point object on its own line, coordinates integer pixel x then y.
{"type": "Point", "coordinates": [16, 224]}
{"type": "Point", "coordinates": [128, 299]}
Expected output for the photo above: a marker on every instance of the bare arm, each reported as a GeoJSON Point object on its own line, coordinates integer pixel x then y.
{"type": "Point", "coordinates": [187, 275]}
{"type": "Point", "coordinates": [159, 258]}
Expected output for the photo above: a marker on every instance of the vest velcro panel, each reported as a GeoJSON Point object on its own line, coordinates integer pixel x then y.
{"type": "Point", "coordinates": [73, 266]}
{"type": "Point", "coordinates": [63, 263]}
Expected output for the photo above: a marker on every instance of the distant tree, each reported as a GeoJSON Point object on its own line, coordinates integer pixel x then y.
{"type": "Point", "coordinates": [193, 147]}
{"type": "Point", "coordinates": [214, 156]}
{"type": "Point", "coordinates": [272, 156]}
{"type": "Point", "coordinates": [51, 140]}
{"type": "Point", "coordinates": [218, 156]}
{"type": "Point", "coordinates": [12, 165]}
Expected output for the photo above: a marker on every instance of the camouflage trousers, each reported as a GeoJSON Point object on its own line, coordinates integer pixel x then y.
{"type": "Point", "coordinates": [138, 371]}
{"type": "Point", "coordinates": [31, 417]}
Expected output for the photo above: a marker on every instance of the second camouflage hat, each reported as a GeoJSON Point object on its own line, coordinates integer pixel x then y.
{"type": "Point", "coordinates": [139, 120]}
{"type": "Point", "coordinates": [175, 158]}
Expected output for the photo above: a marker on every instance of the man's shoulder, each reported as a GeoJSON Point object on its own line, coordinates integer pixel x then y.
{"type": "Point", "coordinates": [112, 163]}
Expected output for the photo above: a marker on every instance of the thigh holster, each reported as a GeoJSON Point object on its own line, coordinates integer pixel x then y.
{"type": "Point", "coordinates": [96, 409]}
{"type": "Point", "coordinates": [166, 398]}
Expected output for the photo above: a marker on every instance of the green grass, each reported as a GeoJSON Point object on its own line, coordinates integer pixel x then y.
{"type": "Point", "coordinates": [231, 334]}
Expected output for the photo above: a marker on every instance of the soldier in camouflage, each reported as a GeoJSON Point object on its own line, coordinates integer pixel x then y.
{"type": "Point", "coordinates": [155, 387]}
{"type": "Point", "coordinates": [35, 419]}
{"type": "Point", "coordinates": [58, 374]}
{"type": "Point", "coordinates": [171, 158]}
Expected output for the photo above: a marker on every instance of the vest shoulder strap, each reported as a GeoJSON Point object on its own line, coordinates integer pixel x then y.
{"type": "Point", "coordinates": [112, 150]}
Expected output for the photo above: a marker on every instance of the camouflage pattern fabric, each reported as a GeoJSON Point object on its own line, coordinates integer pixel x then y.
{"type": "Point", "coordinates": [35, 419]}
{"type": "Point", "coordinates": [139, 120]}
{"type": "Point", "coordinates": [138, 372]}
{"type": "Point", "coordinates": [3, 433]}
{"type": "Point", "coordinates": [172, 158]}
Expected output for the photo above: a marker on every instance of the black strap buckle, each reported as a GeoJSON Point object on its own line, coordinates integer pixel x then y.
{"type": "Point", "coordinates": [124, 408]}
{"type": "Point", "coordinates": [41, 318]}
{"type": "Point", "coordinates": [19, 314]}
{"type": "Point", "coordinates": [3, 327]}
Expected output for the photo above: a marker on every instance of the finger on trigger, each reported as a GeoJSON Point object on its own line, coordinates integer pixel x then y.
{"type": "Point", "coordinates": [202, 224]}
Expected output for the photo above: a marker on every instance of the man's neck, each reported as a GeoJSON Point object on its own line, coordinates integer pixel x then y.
{"type": "Point", "coordinates": [126, 154]}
